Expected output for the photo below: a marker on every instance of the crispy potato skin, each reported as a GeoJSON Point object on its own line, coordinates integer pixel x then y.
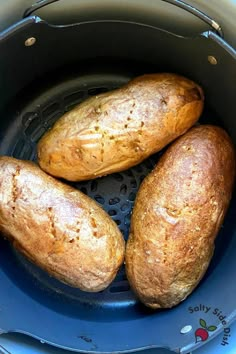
{"type": "Point", "coordinates": [179, 209]}
{"type": "Point", "coordinates": [117, 130]}
{"type": "Point", "coordinates": [57, 227]}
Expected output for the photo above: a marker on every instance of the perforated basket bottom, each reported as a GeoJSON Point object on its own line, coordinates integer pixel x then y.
{"type": "Point", "coordinates": [115, 193]}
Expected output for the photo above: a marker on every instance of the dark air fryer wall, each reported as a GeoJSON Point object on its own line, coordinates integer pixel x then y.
{"type": "Point", "coordinates": [159, 13]}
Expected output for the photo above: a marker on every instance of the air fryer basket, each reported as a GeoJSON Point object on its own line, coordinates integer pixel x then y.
{"type": "Point", "coordinates": [44, 71]}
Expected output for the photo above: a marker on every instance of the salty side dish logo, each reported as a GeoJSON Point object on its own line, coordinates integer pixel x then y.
{"type": "Point", "coordinates": [202, 332]}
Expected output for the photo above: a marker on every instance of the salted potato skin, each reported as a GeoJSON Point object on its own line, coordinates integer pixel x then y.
{"type": "Point", "coordinates": [57, 227]}
{"type": "Point", "coordinates": [117, 130]}
{"type": "Point", "coordinates": [177, 214]}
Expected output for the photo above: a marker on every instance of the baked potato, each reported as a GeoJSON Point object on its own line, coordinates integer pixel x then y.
{"type": "Point", "coordinates": [177, 214]}
{"type": "Point", "coordinates": [57, 227]}
{"type": "Point", "coordinates": [117, 130]}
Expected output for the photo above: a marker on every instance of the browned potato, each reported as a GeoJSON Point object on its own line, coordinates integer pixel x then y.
{"type": "Point", "coordinates": [116, 130]}
{"type": "Point", "coordinates": [177, 215]}
{"type": "Point", "coordinates": [57, 227]}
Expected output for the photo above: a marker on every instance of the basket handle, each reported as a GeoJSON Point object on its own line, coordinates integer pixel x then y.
{"type": "Point", "coordinates": [38, 5]}
{"type": "Point", "coordinates": [179, 3]}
